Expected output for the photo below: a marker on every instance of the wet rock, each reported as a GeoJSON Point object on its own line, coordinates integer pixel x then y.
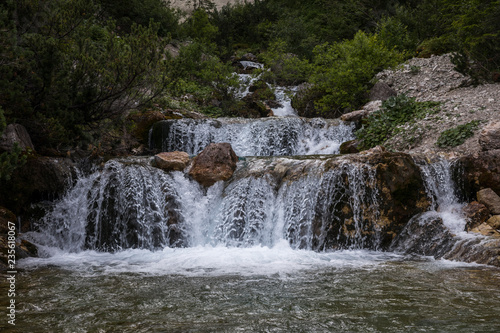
{"type": "Point", "coordinates": [425, 235]}
{"type": "Point", "coordinates": [481, 170]}
{"type": "Point", "coordinates": [494, 222]}
{"type": "Point", "coordinates": [481, 250]}
{"type": "Point", "coordinates": [142, 123]}
{"type": "Point", "coordinates": [172, 161]}
{"type": "Point", "coordinates": [489, 138]}
{"type": "Point", "coordinates": [216, 162]}
{"type": "Point", "coordinates": [490, 199]}
{"type": "Point", "coordinates": [486, 230]}
{"type": "Point", "coordinates": [475, 214]}
{"type": "Point", "coordinates": [381, 91]}
{"type": "Point", "coordinates": [5, 217]}
{"type": "Point", "coordinates": [349, 147]}
{"type": "Point", "coordinates": [15, 134]}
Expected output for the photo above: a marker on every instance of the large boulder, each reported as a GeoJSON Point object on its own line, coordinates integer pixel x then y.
{"type": "Point", "coordinates": [15, 133]}
{"type": "Point", "coordinates": [349, 147]}
{"type": "Point", "coordinates": [216, 162]}
{"type": "Point", "coordinates": [475, 214]}
{"type": "Point", "coordinates": [381, 91]}
{"type": "Point", "coordinates": [172, 161]}
{"type": "Point", "coordinates": [480, 171]}
{"type": "Point", "coordinates": [490, 199]}
{"type": "Point", "coordinates": [41, 178]}
{"type": "Point", "coordinates": [489, 138]}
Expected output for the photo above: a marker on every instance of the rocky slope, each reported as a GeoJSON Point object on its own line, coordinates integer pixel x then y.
{"type": "Point", "coordinates": [435, 79]}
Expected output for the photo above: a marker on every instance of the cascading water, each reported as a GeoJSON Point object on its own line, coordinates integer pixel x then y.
{"type": "Point", "coordinates": [131, 247]}
{"type": "Point", "coordinates": [442, 193]}
{"type": "Point", "coordinates": [129, 204]}
{"type": "Point", "coordinates": [264, 137]}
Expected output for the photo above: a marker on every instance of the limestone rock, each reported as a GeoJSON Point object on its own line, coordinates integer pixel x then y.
{"type": "Point", "coordinates": [372, 106]}
{"type": "Point", "coordinates": [490, 199]}
{"type": "Point", "coordinates": [481, 170]}
{"type": "Point", "coordinates": [475, 214]}
{"type": "Point", "coordinates": [172, 161]}
{"type": "Point", "coordinates": [216, 162]}
{"type": "Point", "coordinates": [489, 138]}
{"type": "Point", "coordinates": [494, 222]}
{"type": "Point", "coordinates": [381, 91]}
{"type": "Point", "coordinates": [486, 230]}
{"type": "Point", "coordinates": [15, 133]}
{"type": "Point", "coordinates": [354, 115]}
{"type": "Point", "coordinates": [349, 147]}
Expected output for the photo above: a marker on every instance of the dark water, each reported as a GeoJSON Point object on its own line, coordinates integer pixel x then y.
{"type": "Point", "coordinates": [352, 291]}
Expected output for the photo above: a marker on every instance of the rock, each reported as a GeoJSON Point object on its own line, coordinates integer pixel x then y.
{"type": "Point", "coordinates": [15, 133]}
{"type": "Point", "coordinates": [489, 138]}
{"type": "Point", "coordinates": [349, 147]}
{"type": "Point", "coordinates": [481, 170]}
{"type": "Point", "coordinates": [25, 249]}
{"type": "Point", "coordinates": [172, 161]}
{"type": "Point", "coordinates": [216, 162]}
{"type": "Point", "coordinates": [354, 115]}
{"type": "Point", "coordinates": [249, 57]}
{"type": "Point", "coordinates": [372, 106]}
{"type": "Point", "coordinates": [142, 123]}
{"type": "Point", "coordinates": [494, 222]}
{"type": "Point", "coordinates": [41, 178]}
{"type": "Point", "coordinates": [5, 217]}
{"type": "Point", "coordinates": [490, 199]}
{"type": "Point", "coordinates": [381, 91]}
{"type": "Point", "coordinates": [486, 230]}
{"type": "Point", "coordinates": [475, 214]}
{"type": "Point", "coordinates": [425, 234]}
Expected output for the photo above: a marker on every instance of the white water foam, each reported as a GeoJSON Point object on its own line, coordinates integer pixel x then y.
{"type": "Point", "coordinates": [280, 260]}
{"type": "Point", "coordinates": [440, 188]}
{"type": "Point", "coordinates": [283, 97]}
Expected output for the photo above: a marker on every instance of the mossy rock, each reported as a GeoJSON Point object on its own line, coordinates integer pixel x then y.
{"type": "Point", "coordinates": [141, 122]}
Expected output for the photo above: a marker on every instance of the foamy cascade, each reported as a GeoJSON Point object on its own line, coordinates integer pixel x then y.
{"type": "Point", "coordinates": [129, 204]}
{"type": "Point", "coordinates": [249, 137]}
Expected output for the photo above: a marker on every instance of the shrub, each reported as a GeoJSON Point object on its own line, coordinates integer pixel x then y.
{"type": "Point", "coordinates": [286, 68]}
{"type": "Point", "coordinates": [395, 111]}
{"type": "Point", "coordinates": [456, 136]}
{"type": "Point", "coordinates": [342, 71]}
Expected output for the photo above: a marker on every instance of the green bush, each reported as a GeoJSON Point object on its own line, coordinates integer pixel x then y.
{"type": "Point", "coordinates": [286, 68]}
{"type": "Point", "coordinates": [343, 71]}
{"type": "Point", "coordinates": [456, 136]}
{"type": "Point", "coordinates": [395, 111]}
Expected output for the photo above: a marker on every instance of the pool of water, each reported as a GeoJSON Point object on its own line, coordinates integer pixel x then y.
{"type": "Point", "coordinates": [221, 289]}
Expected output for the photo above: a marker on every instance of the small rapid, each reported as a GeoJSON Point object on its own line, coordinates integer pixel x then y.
{"type": "Point", "coordinates": [250, 137]}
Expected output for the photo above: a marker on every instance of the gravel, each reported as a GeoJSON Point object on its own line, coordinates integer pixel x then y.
{"type": "Point", "coordinates": [435, 79]}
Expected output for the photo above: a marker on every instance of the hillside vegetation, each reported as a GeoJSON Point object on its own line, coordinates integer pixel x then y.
{"type": "Point", "coordinates": [75, 73]}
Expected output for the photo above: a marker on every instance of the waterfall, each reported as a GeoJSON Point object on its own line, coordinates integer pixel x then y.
{"type": "Point", "coordinates": [129, 204]}
{"type": "Point", "coordinates": [435, 232]}
{"type": "Point", "coordinates": [442, 192]}
{"type": "Point", "coordinates": [263, 137]}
